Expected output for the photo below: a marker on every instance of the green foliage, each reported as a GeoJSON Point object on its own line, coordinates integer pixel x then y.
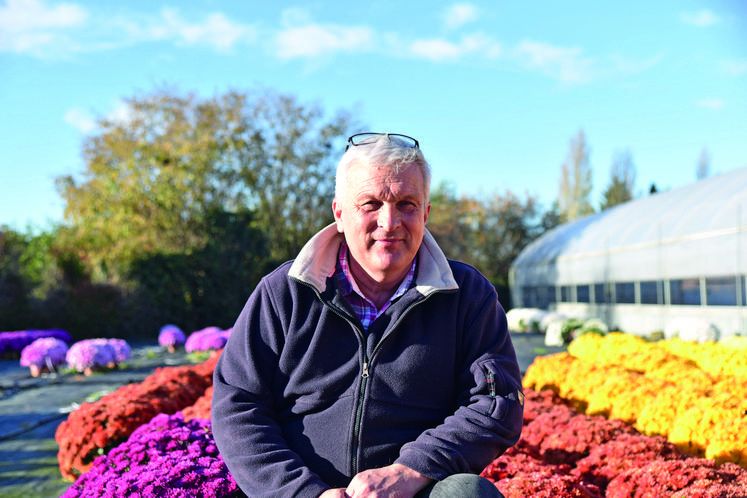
{"type": "Point", "coordinates": [14, 286]}
{"type": "Point", "coordinates": [575, 327]}
{"type": "Point", "coordinates": [593, 326]}
{"type": "Point", "coordinates": [208, 286]}
{"type": "Point", "coordinates": [151, 179]}
{"type": "Point", "coordinates": [569, 327]}
{"type": "Point", "coordinates": [197, 357]}
{"type": "Point", "coordinates": [622, 181]}
{"type": "Point", "coordinates": [487, 232]}
{"type": "Point", "coordinates": [550, 218]}
{"type": "Point", "coordinates": [184, 204]}
{"type": "Point", "coordinates": [288, 161]}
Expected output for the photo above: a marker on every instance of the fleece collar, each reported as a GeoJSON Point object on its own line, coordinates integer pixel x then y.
{"type": "Point", "coordinates": [316, 262]}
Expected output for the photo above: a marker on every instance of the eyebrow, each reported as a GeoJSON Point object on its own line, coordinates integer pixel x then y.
{"type": "Point", "coordinates": [376, 197]}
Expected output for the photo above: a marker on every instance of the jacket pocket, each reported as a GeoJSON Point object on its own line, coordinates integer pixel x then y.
{"type": "Point", "coordinates": [503, 396]}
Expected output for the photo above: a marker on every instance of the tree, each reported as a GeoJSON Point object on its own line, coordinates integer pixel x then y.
{"type": "Point", "coordinates": [622, 181]}
{"type": "Point", "coordinates": [488, 233]}
{"type": "Point", "coordinates": [290, 162]}
{"type": "Point", "coordinates": [151, 179]}
{"type": "Point", "coordinates": [575, 181]}
{"type": "Point", "coordinates": [454, 221]}
{"type": "Point", "coordinates": [14, 286]}
{"type": "Point", "coordinates": [703, 169]}
{"type": "Point", "coordinates": [506, 226]}
{"type": "Point", "coordinates": [205, 287]}
{"type": "Point", "coordinates": [550, 219]}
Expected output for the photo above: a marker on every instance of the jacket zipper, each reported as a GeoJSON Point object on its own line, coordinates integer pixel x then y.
{"type": "Point", "coordinates": [364, 378]}
{"type": "Point", "coordinates": [366, 365]}
{"type": "Point", "coordinates": [364, 382]}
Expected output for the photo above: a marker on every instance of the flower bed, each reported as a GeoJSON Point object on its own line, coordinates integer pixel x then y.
{"type": "Point", "coordinates": [12, 343]}
{"type": "Point", "coordinates": [655, 390]}
{"type": "Point", "coordinates": [563, 453]}
{"type": "Point", "coordinates": [201, 408]}
{"type": "Point", "coordinates": [168, 456]}
{"type": "Point", "coordinates": [95, 428]}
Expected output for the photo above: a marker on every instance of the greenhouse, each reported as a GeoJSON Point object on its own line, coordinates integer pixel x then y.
{"type": "Point", "coordinates": [673, 257]}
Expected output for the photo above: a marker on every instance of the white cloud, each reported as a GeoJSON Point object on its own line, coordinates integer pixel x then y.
{"type": "Point", "coordinates": [701, 19]}
{"type": "Point", "coordinates": [301, 37]}
{"type": "Point", "coordinates": [439, 50]}
{"type": "Point", "coordinates": [460, 14]}
{"type": "Point", "coordinates": [564, 64]}
{"type": "Point", "coordinates": [713, 104]}
{"type": "Point", "coordinates": [216, 30]}
{"type": "Point", "coordinates": [733, 67]}
{"type": "Point", "coordinates": [80, 119]}
{"type": "Point", "coordinates": [121, 113]}
{"type": "Point", "coordinates": [314, 40]}
{"type": "Point", "coordinates": [18, 16]}
{"type": "Point", "coordinates": [615, 65]}
{"type": "Point", "coordinates": [31, 27]}
{"type": "Point", "coordinates": [295, 16]}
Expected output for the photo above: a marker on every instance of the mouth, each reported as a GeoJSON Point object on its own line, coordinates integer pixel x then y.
{"type": "Point", "coordinates": [388, 242]}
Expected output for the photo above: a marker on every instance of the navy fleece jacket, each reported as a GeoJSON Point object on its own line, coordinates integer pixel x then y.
{"type": "Point", "coordinates": [304, 399]}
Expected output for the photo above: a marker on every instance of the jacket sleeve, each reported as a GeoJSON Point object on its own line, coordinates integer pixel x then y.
{"type": "Point", "coordinates": [489, 415]}
{"type": "Point", "coordinates": [243, 412]}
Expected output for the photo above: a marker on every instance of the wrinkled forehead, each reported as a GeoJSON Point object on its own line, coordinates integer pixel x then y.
{"type": "Point", "coordinates": [402, 180]}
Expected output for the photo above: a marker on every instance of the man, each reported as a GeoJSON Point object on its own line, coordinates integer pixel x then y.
{"type": "Point", "coordinates": [370, 365]}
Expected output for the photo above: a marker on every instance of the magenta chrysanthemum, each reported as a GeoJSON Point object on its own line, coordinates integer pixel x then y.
{"type": "Point", "coordinates": [165, 457]}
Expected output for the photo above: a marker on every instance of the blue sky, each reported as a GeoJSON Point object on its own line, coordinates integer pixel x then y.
{"type": "Point", "coordinates": [494, 90]}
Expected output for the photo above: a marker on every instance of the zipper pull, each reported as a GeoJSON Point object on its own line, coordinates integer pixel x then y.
{"type": "Point", "coordinates": [491, 384]}
{"type": "Point", "coordinates": [365, 370]}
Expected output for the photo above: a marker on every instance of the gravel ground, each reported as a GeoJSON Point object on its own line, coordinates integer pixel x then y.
{"type": "Point", "coordinates": [32, 408]}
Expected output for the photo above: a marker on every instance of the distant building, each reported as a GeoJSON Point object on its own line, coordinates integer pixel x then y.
{"type": "Point", "coordinates": [674, 255]}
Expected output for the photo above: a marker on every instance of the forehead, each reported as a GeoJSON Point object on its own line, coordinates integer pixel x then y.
{"type": "Point", "coordinates": [367, 179]}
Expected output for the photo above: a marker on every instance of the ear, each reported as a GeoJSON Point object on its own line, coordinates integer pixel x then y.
{"type": "Point", "coordinates": [337, 211]}
{"type": "Point", "coordinates": [427, 212]}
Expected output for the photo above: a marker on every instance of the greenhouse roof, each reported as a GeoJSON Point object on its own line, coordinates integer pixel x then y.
{"type": "Point", "coordinates": [710, 206]}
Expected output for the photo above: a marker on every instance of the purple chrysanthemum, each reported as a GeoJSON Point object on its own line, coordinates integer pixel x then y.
{"type": "Point", "coordinates": [14, 342]}
{"type": "Point", "coordinates": [44, 352]}
{"type": "Point", "coordinates": [165, 457]}
{"type": "Point", "coordinates": [171, 336]}
{"type": "Point", "coordinates": [122, 350]}
{"type": "Point", "coordinates": [210, 338]}
{"type": "Point", "coordinates": [90, 353]}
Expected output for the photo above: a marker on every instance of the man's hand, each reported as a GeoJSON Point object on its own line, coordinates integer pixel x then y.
{"type": "Point", "coordinates": [393, 481]}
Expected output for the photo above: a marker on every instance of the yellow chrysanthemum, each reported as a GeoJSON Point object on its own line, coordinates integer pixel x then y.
{"type": "Point", "coordinates": [728, 441]}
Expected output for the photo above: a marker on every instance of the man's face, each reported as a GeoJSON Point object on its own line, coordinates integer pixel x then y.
{"type": "Point", "coordinates": [382, 215]}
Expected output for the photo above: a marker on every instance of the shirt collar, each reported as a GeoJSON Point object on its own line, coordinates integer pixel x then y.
{"type": "Point", "coordinates": [349, 285]}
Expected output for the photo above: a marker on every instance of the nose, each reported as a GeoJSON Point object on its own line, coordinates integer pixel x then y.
{"type": "Point", "coordinates": [389, 218]}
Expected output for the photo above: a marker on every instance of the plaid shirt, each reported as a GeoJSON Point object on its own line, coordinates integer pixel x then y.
{"type": "Point", "coordinates": [363, 307]}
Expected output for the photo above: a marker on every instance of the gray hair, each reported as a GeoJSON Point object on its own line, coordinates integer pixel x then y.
{"type": "Point", "coordinates": [385, 151]}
